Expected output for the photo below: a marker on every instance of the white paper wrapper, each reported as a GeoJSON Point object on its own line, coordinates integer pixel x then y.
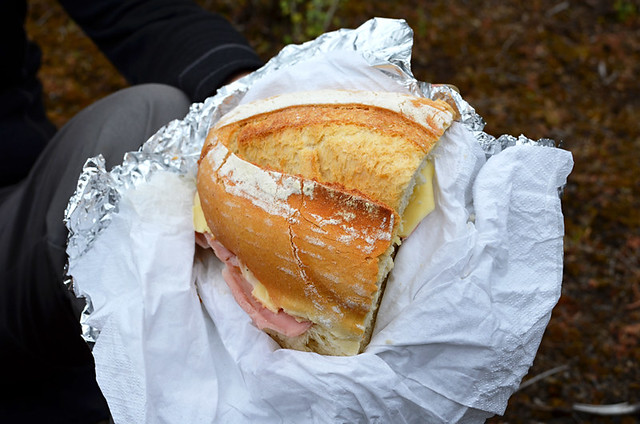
{"type": "Point", "coordinates": [459, 324]}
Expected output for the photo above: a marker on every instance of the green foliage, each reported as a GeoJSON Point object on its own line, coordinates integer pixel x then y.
{"type": "Point", "coordinates": [308, 18]}
{"type": "Point", "coordinates": [625, 10]}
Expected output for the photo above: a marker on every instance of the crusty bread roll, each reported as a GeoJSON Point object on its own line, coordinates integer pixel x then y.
{"type": "Point", "coordinates": [308, 191]}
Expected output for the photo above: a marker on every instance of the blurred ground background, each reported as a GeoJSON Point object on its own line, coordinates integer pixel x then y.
{"type": "Point", "coordinates": [565, 70]}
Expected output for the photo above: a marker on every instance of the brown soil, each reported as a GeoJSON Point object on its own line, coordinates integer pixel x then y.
{"type": "Point", "coordinates": [566, 70]}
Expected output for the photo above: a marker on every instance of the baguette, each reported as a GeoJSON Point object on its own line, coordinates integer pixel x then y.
{"type": "Point", "coordinates": [308, 195]}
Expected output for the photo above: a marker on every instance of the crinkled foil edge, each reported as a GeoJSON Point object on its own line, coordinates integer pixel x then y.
{"type": "Point", "coordinates": [385, 44]}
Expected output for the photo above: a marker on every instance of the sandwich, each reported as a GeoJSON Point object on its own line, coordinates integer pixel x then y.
{"type": "Point", "coordinates": [306, 196]}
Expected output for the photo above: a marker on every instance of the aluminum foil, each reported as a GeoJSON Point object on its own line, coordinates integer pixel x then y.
{"type": "Point", "coordinates": [385, 44]}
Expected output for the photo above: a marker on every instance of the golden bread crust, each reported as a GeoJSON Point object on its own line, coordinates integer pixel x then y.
{"type": "Point", "coordinates": [308, 197]}
{"type": "Point", "coordinates": [309, 141]}
{"type": "Point", "coordinates": [316, 250]}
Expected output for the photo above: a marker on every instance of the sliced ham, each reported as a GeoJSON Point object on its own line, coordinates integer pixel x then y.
{"type": "Point", "coordinates": [241, 289]}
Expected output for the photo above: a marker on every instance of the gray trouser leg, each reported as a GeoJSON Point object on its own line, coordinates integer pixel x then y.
{"type": "Point", "coordinates": [119, 124]}
{"type": "Point", "coordinates": [39, 333]}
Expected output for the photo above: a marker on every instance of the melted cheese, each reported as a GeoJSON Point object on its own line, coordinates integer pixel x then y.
{"type": "Point", "coordinates": [421, 202]}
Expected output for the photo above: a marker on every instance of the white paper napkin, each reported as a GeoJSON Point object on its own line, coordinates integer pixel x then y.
{"type": "Point", "coordinates": [464, 309]}
{"type": "Point", "coordinates": [459, 325]}
{"type": "Point", "coordinates": [154, 342]}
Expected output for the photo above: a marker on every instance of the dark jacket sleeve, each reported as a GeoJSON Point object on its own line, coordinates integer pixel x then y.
{"type": "Point", "coordinates": [173, 42]}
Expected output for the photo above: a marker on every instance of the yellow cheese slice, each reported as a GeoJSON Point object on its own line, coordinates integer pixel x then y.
{"type": "Point", "coordinates": [421, 202]}
{"type": "Point", "coordinates": [259, 291]}
{"type": "Point", "coordinates": [199, 222]}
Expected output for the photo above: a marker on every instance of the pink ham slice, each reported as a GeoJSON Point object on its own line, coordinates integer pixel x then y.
{"type": "Point", "coordinates": [241, 289]}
